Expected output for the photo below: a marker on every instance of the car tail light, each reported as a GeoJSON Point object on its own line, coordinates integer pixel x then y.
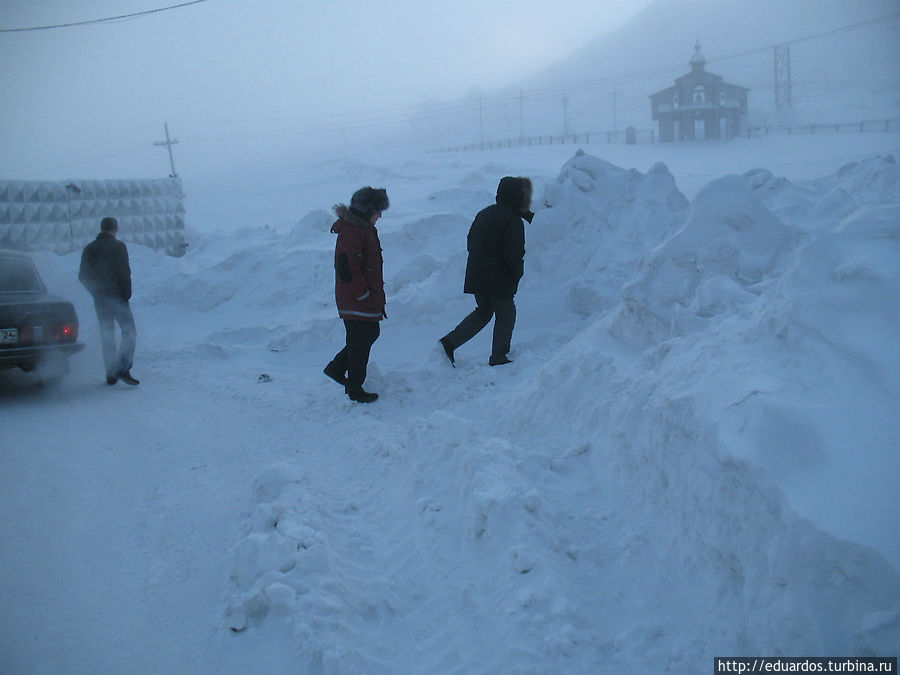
{"type": "Point", "coordinates": [48, 334]}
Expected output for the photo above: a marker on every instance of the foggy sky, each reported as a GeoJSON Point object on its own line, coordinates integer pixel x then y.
{"type": "Point", "coordinates": [73, 96]}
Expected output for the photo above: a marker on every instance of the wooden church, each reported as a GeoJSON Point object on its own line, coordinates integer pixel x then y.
{"type": "Point", "coordinates": [700, 106]}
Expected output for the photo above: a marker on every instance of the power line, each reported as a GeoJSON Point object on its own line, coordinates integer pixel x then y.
{"type": "Point", "coordinates": [347, 121]}
{"type": "Point", "coordinates": [814, 36]}
{"type": "Point", "coordinates": [136, 148]}
{"type": "Point", "coordinates": [91, 21]}
{"type": "Point", "coordinates": [97, 146]}
{"type": "Point", "coordinates": [661, 70]}
{"type": "Point", "coordinates": [388, 115]}
{"type": "Point", "coordinates": [419, 109]}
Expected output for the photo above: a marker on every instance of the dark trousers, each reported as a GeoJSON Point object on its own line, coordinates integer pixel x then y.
{"type": "Point", "coordinates": [353, 359]}
{"type": "Point", "coordinates": [112, 311]}
{"type": "Point", "coordinates": [487, 306]}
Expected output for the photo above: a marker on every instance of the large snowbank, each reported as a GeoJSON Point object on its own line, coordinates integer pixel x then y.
{"type": "Point", "coordinates": [729, 245]}
{"type": "Point", "coordinates": [615, 504]}
{"type": "Point", "coordinates": [596, 222]}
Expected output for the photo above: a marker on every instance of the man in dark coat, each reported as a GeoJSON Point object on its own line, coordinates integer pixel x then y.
{"type": "Point", "coordinates": [358, 288]}
{"type": "Point", "coordinates": [496, 246]}
{"type": "Point", "coordinates": [106, 273]}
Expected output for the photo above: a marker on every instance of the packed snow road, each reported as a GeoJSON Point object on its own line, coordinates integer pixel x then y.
{"type": "Point", "coordinates": [118, 506]}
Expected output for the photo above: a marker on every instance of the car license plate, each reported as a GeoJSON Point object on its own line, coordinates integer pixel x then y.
{"type": "Point", "coordinates": [9, 336]}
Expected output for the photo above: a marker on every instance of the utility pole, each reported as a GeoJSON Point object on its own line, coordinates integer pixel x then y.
{"type": "Point", "coordinates": [614, 93]}
{"type": "Point", "coordinates": [782, 79]}
{"type": "Point", "coordinates": [169, 143]}
{"type": "Point", "coordinates": [481, 120]}
{"type": "Point", "coordinates": [565, 102]}
{"type": "Point", "coordinates": [72, 192]}
{"type": "Point", "coordinates": [521, 114]}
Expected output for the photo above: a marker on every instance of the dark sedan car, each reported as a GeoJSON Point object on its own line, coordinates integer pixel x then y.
{"type": "Point", "coordinates": [36, 329]}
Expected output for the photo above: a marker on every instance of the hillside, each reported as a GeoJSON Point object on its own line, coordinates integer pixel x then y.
{"type": "Point", "coordinates": [844, 77]}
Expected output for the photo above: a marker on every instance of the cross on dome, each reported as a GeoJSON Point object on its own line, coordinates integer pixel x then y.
{"type": "Point", "coordinates": [697, 61]}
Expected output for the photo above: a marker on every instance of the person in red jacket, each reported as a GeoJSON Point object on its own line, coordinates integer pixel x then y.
{"type": "Point", "coordinates": [358, 288]}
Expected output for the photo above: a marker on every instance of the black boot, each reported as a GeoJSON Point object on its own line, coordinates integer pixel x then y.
{"type": "Point", "coordinates": [499, 360]}
{"type": "Point", "coordinates": [125, 376]}
{"type": "Point", "coordinates": [361, 396]}
{"type": "Point", "coordinates": [448, 350]}
{"type": "Point", "coordinates": [335, 373]}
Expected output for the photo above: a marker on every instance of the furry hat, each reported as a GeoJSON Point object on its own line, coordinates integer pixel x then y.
{"type": "Point", "coordinates": [369, 201]}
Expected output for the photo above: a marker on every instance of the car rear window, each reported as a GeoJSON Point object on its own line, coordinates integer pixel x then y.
{"type": "Point", "coordinates": [17, 275]}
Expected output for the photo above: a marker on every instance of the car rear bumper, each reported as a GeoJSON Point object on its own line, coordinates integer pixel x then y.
{"type": "Point", "coordinates": [13, 356]}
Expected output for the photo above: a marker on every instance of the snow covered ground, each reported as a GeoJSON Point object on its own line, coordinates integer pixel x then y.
{"type": "Point", "coordinates": [693, 454]}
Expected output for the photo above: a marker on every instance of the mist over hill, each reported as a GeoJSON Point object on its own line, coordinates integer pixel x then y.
{"type": "Point", "coordinates": [846, 73]}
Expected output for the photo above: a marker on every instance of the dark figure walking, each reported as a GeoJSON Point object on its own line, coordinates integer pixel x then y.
{"type": "Point", "coordinates": [496, 246]}
{"type": "Point", "coordinates": [358, 288]}
{"type": "Point", "coordinates": [106, 273]}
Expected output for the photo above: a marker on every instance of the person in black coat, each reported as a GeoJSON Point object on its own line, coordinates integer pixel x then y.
{"type": "Point", "coordinates": [106, 273]}
{"type": "Point", "coordinates": [496, 245]}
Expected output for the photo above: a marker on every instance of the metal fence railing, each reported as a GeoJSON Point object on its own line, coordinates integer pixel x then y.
{"type": "Point", "coordinates": [864, 126]}
{"type": "Point", "coordinates": [630, 136]}
{"type": "Point", "coordinates": [634, 136]}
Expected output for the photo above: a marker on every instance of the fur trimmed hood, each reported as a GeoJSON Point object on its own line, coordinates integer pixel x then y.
{"type": "Point", "coordinates": [515, 193]}
{"type": "Point", "coordinates": [364, 204]}
{"type": "Point", "coordinates": [348, 215]}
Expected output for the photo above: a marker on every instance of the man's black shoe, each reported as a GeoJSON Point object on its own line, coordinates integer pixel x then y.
{"type": "Point", "coordinates": [448, 350]}
{"type": "Point", "coordinates": [362, 396]}
{"type": "Point", "coordinates": [498, 360]}
{"type": "Point", "coordinates": [126, 377]}
{"type": "Point", "coordinates": [111, 379]}
{"type": "Point", "coordinates": [332, 371]}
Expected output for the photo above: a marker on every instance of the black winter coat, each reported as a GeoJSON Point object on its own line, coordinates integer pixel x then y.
{"type": "Point", "coordinates": [105, 270]}
{"type": "Point", "coordinates": [496, 245]}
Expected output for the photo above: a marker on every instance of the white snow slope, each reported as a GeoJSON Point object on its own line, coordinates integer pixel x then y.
{"type": "Point", "coordinates": [694, 453]}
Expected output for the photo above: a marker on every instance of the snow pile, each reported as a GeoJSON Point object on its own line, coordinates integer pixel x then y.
{"type": "Point", "coordinates": [841, 293]}
{"type": "Point", "coordinates": [824, 202]}
{"type": "Point", "coordinates": [831, 332]}
{"type": "Point", "coordinates": [363, 574]}
{"type": "Point", "coordinates": [696, 532]}
{"type": "Point", "coordinates": [252, 285]}
{"type": "Point", "coordinates": [598, 222]}
{"type": "Point", "coordinates": [578, 549]}
{"type": "Point", "coordinates": [729, 245]}
{"type": "Point", "coordinates": [434, 248]}
{"type": "Point", "coordinates": [613, 502]}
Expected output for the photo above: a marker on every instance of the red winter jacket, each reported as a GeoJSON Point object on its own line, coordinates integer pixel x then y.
{"type": "Point", "coordinates": [358, 266]}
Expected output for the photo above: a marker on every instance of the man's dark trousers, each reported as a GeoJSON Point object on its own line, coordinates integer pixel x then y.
{"type": "Point", "coordinates": [111, 311]}
{"type": "Point", "coordinates": [354, 357]}
{"type": "Point", "coordinates": [487, 307]}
